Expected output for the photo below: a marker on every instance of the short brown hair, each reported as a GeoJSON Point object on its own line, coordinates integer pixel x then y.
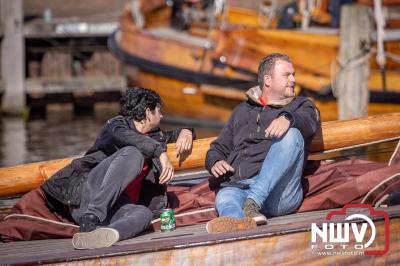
{"type": "Point", "coordinates": [267, 64]}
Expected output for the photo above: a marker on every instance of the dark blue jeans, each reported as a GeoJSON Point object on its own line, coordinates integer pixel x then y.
{"type": "Point", "coordinates": [102, 194]}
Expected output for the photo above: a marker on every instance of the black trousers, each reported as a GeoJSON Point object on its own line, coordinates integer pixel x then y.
{"type": "Point", "coordinates": [102, 194]}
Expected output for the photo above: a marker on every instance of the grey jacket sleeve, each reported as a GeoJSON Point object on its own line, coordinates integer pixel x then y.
{"type": "Point", "coordinates": [305, 118]}
{"type": "Point", "coordinates": [172, 135]}
{"type": "Point", "coordinates": [124, 136]}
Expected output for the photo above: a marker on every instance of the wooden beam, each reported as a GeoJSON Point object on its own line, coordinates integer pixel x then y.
{"type": "Point", "coordinates": [333, 135]}
{"type": "Point", "coordinates": [75, 84]}
{"type": "Point", "coordinates": [12, 57]}
{"type": "Point", "coordinates": [384, 2]}
{"type": "Point", "coordinates": [352, 80]}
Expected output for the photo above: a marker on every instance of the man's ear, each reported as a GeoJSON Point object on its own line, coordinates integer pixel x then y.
{"type": "Point", "coordinates": [148, 112]}
{"type": "Point", "coordinates": [267, 80]}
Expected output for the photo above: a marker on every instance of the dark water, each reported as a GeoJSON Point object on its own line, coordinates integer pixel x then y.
{"type": "Point", "coordinates": [62, 133]}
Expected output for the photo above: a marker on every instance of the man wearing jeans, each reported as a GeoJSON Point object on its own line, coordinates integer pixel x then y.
{"type": "Point", "coordinates": [259, 154]}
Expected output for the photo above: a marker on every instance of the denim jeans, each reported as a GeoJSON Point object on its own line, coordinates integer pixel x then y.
{"type": "Point", "coordinates": [277, 188]}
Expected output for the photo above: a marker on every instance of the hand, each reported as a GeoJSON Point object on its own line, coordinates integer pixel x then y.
{"type": "Point", "coordinates": [220, 168]}
{"type": "Point", "coordinates": [277, 128]}
{"type": "Point", "coordinates": [184, 142]}
{"type": "Point", "coordinates": [167, 172]}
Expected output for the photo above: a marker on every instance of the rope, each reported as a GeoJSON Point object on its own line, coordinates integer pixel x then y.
{"type": "Point", "coordinates": [360, 145]}
{"type": "Point", "coordinates": [354, 62]}
{"type": "Point", "coordinates": [267, 12]}
{"type": "Point", "coordinates": [357, 61]}
{"type": "Point", "coordinates": [137, 14]}
{"type": "Point", "coordinates": [39, 219]}
{"type": "Point", "coordinates": [380, 25]}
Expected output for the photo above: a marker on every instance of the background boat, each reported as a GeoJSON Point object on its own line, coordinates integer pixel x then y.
{"type": "Point", "coordinates": [208, 66]}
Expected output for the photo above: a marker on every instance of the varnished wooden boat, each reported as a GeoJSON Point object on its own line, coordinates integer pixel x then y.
{"type": "Point", "coordinates": [334, 135]}
{"type": "Point", "coordinates": [285, 240]}
{"type": "Point", "coordinates": [179, 64]}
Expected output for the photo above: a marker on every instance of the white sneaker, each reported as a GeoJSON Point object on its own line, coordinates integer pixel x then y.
{"type": "Point", "coordinates": [99, 238]}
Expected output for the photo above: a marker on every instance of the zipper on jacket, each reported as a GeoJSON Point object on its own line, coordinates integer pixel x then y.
{"type": "Point", "coordinates": [258, 119]}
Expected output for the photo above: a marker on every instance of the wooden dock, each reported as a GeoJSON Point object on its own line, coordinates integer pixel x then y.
{"type": "Point", "coordinates": [65, 55]}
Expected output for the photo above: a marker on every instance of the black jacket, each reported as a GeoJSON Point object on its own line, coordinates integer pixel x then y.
{"type": "Point", "coordinates": [242, 141]}
{"type": "Point", "coordinates": [66, 184]}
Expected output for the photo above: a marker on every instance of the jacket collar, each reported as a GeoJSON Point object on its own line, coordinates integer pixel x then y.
{"type": "Point", "coordinates": [254, 94]}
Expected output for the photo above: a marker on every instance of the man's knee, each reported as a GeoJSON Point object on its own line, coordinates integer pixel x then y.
{"type": "Point", "coordinates": [283, 206]}
{"type": "Point", "coordinates": [131, 153]}
{"type": "Point", "coordinates": [228, 196]}
{"type": "Point", "coordinates": [145, 213]}
{"type": "Point", "coordinates": [293, 137]}
{"type": "Point", "coordinates": [130, 150]}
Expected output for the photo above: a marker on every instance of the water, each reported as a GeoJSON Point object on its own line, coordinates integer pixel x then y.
{"type": "Point", "coordinates": [62, 134]}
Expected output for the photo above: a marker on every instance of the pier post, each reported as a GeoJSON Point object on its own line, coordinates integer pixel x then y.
{"type": "Point", "coordinates": [12, 56]}
{"type": "Point", "coordinates": [352, 79]}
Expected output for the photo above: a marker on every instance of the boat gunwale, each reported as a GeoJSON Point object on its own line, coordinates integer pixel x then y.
{"type": "Point", "coordinates": [190, 241]}
{"type": "Point", "coordinates": [177, 72]}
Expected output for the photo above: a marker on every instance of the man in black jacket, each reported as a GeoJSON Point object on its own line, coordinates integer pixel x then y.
{"type": "Point", "coordinates": [115, 190]}
{"type": "Point", "coordinates": [260, 152]}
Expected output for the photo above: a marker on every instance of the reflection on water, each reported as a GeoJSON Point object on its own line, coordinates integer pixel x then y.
{"type": "Point", "coordinates": [61, 134]}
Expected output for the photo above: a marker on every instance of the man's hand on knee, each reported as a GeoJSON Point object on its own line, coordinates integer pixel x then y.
{"type": "Point", "coordinates": [220, 168]}
{"type": "Point", "coordinates": [277, 128]}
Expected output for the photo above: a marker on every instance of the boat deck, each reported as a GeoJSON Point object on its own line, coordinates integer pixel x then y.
{"type": "Point", "coordinates": [61, 250]}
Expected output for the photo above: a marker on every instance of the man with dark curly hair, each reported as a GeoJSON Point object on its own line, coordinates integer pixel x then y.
{"type": "Point", "coordinates": [129, 169]}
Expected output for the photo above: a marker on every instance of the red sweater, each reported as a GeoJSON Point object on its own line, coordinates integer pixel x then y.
{"type": "Point", "coordinates": [133, 189]}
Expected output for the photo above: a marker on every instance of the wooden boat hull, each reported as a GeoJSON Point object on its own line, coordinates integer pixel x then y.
{"type": "Point", "coordinates": [334, 135]}
{"type": "Point", "coordinates": [286, 240]}
{"type": "Point", "coordinates": [176, 65]}
{"type": "Point", "coordinates": [215, 103]}
{"type": "Point", "coordinates": [291, 249]}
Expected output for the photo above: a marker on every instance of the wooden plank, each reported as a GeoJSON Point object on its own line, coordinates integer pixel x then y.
{"type": "Point", "coordinates": [352, 80]}
{"type": "Point", "coordinates": [384, 2]}
{"type": "Point", "coordinates": [75, 8]}
{"type": "Point", "coordinates": [286, 235]}
{"type": "Point", "coordinates": [12, 59]}
{"type": "Point", "coordinates": [41, 29]}
{"type": "Point", "coordinates": [75, 84]}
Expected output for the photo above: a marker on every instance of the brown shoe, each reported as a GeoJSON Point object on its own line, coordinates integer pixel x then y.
{"type": "Point", "coordinates": [252, 210]}
{"type": "Point", "coordinates": [229, 224]}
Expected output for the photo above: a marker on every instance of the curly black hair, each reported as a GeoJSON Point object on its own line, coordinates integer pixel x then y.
{"type": "Point", "coordinates": [135, 102]}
